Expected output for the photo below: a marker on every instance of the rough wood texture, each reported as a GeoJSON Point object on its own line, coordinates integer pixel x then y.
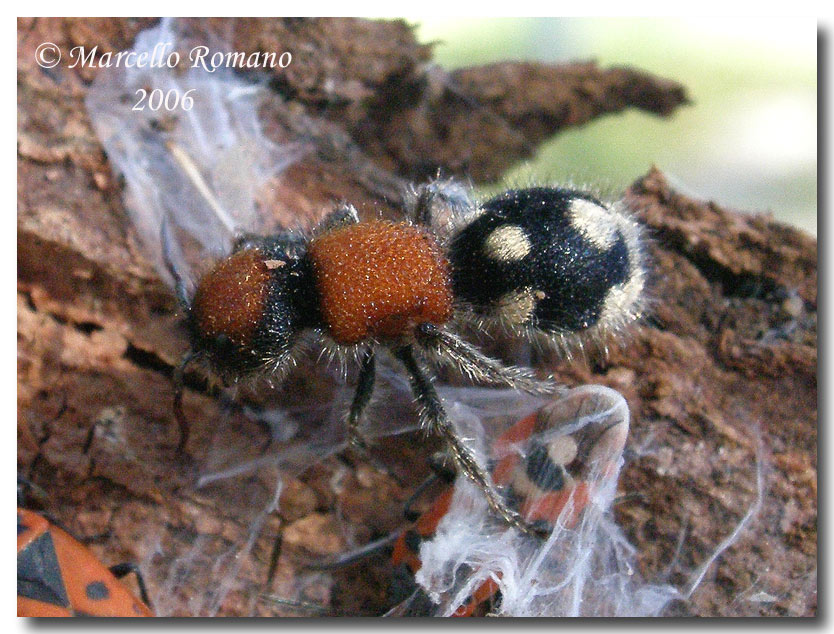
{"type": "Point", "coordinates": [726, 365]}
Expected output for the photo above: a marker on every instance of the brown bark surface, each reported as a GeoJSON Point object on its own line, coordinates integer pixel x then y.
{"type": "Point", "coordinates": [722, 375]}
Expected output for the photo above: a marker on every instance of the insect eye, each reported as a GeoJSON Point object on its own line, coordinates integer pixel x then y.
{"type": "Point", "coordinates": [223, 345]}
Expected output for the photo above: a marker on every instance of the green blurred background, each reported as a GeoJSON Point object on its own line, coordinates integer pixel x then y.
{"type": "Point", "coordinates": [748, 141]}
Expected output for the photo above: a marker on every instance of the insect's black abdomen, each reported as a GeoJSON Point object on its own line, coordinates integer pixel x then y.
{"type": "Point", "coordinates": [553, 259]}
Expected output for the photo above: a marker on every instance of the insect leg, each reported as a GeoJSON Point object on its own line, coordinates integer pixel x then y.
{"type": "Point", "coordinates": [361, 398]}
{"type": "Point", "coordinates": [343, 215]}
{"type": "Point", "coordinates": [439, 204]}
{"type": "Point", "coordinates": [433, 418]}
{"type": "Point", "coordinates": [275, 555]}
{"type": "Point", "coordinates": [124, 569]}
{"type": "Point", "coordinates": [288, 242]}
{"type": "Point", "coordinates": [408, 512]}
{"type": "Point", "coordinates": [444, 346]}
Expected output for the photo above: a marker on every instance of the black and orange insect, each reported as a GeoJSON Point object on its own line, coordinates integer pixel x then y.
{"type": "Point", "coordinates": [542, 263]}
{"type": "Point", "coordinates": [549, 470]}
{"type": "Point", "coordinates": [58, 576]}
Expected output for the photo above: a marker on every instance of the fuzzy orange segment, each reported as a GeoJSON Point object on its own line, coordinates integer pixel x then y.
{"type": "Point", "coordinates": [380, 279]}
{"type": "Point", "coordinates": [231, 298]}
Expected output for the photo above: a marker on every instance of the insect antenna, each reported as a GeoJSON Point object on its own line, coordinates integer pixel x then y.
{"type": "Point", "coordinates": [170, 251]}
{"type": "Point", "coordinates": [357, 554]}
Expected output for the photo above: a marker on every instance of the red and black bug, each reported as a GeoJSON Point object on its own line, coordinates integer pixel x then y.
{"type": "Point", "coordinates": [58, 576]}
{"type": "Point", "coordinates": [549, 467]}
{"type": "Point", "coordinates": [542, 263]}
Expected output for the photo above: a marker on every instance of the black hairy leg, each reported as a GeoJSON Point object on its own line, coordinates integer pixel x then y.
{"type": "Point", "coordinates": [433, 418]}
{"type": "Point", "coordinates": [361, 398]}
{"type": "Point", "coordinates": [449, 349]}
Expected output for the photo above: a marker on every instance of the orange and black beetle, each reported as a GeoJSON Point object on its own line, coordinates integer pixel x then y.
{"type": "Point", "coordinates": [58, 576]}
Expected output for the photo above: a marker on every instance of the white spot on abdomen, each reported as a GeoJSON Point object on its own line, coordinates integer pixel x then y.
{"type": "Point", "coordinates": [597, 224]}
{"type": "Point", "coordinates": [507, 243]}
{"type": "Point", "coordinates": [623, 302]}
{"type": "Point", "coordinates": [516, 307]}
{"type": "Point", "coordinates": [562, 450]}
